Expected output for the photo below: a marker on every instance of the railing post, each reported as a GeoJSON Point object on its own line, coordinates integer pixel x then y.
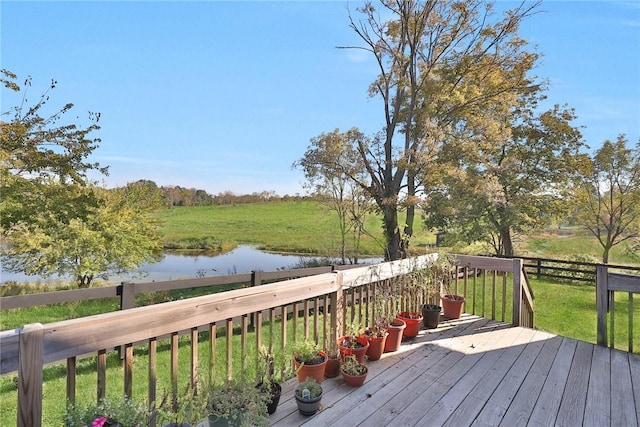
{"type": "Point", "coordinates": [517, 291]}
{"type": "Point", "coordinates": [256, 280]}
{"type": "Point", "coordinates": [30, 360]}
{"type": "Point", "coordinates": [127, 301]}
{"type": "Point", "coordinates": [336, 300]}
{"type": "Point", "coordinates": [602, 300]}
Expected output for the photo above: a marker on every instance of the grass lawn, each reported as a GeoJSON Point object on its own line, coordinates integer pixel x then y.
{"type": "Point", "coordinates": [298, 227]}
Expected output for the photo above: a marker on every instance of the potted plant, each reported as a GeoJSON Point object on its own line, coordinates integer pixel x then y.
{"type": "Point", "coordinates": [413, 320]}
{"type": "Point", "coordinates": [394, 339]}
{"type": "Point", "coordinates": [353, 343]}
{"type": "Point", "coordinates": [237, 403]}
{"type": "Point", "coordinates": [353, 371]}
{"type": "Point", "coordinates": [187, 410]}
{"type": "Point", "coordinates": [308, 395]}
{"type": "Point", "coordinates": [431, 315]}
{"type": "Point", "coordinates": [266, 378]}
{"type": "Point", "coordinates": [443, 273]}
{"type": "Point", "coordinates": [108, 412]}
{"type": "Point", "coordinates": [332, 369]}
{"type": "Point", "coordinates": [309, 361]}
{"type": "Point", "coordinates": [377, 337]}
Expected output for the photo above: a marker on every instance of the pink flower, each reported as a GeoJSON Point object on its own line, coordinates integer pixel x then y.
{"type": "Point", "coordinates": [98, 422]}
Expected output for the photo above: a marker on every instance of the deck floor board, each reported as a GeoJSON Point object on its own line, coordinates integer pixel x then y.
{"type": "Point", "coordinates": [480, 372]}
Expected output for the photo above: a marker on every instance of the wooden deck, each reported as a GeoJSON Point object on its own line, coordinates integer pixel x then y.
{"type": "Point", "coordinates": [478, 372]}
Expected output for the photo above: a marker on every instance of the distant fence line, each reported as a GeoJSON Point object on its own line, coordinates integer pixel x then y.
{"type": "Point", "coordinates": [567, 269]}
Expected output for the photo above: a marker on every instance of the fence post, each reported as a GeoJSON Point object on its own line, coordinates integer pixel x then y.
{"type": "Point", "coordinates": [30, 360]}
{"type": "Point", "coordinates": [517, 291]}
{"type": "Point", "coordinates": [539, 269]}
{"type": "Point", "coordinates": [602, 300]}
{"type": "Point", "coordinates": [127, 295]}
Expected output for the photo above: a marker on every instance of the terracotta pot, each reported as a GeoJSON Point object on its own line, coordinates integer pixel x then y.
{"type": "Point", "coordinates": [413, 321]}
{"type": "Point", "coordinates": [376, 346]}
{"type": "Point", "coordinates": [354, 380]}
{"type": "Point", "coordinates": [394, 339]}
{"type": "Point", "coordinates": [431, 315]}
{"type": "Point", "coordinates": [314, 371]}
{"type": "Point", "coordinates": [452, 306]}
{"type": "Point", "coordinates": [359, 351]}
{"type": "Point", "coordinates": [332, 369]}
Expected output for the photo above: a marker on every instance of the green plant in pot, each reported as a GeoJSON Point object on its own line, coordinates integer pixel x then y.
{"type": "Point", "coordinates": [267, 382]}
{"type": "Point", "coordinates": [237, 403]}
{"type": "Point", "coordinates": [309, 361]}
{"type": "Point", "coordinates": [444, 270]}
{"type": "Point", "coordinates": [353, 343]}
{"type": "Point", "coordinates": [377, 337]}
{"type": "Point", "coordinates": [353, 371]}
{"type": "Point", "coordinates": [308, 396]}
{"type": "Point", "coordinates": [187, 410]}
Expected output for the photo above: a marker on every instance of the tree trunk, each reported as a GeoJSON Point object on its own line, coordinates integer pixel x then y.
{"type": "Point", "coordinates": [507, 244]}
{"type": "Point", "coordinates": [391, 233]}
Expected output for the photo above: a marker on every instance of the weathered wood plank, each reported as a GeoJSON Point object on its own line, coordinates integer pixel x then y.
{"type": "Point", "coordinates": [571, 411]}
{"type": "Point", "coordinates": [499, 401]}
{"type": "Point", "coordinates": [546, 407]}
{"type": "Point", "coordinates": [623, 411]}
{"type": "Point", "coordinates": [598, 405]}
{"type": "Point", "coordinates": [474, 402]}
{"type": "Point", "coordinates": [521, 406]}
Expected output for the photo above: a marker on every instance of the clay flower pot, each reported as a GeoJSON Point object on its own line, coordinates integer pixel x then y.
{"type": "Point", "coordinates": [376, 345]}
{"type": "Point", "coordinates": [332, 369]}
{"type": "Point", "coordinates": [353, 345]}
{"type": "Point", "coordinates": [315, 371]}
{"type": "Point", "coordinates": [452, 306]}
{"type": "Point", "coordinates": [413, 321]}
{"type": "Point", "coordinates": [394, 339]}
{"type": "Point", "coordinates": [354, 380]}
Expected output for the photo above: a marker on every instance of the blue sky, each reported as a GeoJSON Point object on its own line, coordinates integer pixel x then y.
{"type": "Point", "coordinates": [226, 95]}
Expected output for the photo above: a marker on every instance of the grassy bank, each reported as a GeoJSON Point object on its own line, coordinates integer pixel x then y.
{"type": "Point", "coordinates": [296, 227]}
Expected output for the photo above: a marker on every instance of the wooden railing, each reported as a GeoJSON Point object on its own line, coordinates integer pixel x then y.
{"type": "Point", "coordinates": [607, 284]}
{"type": "Point", "coordinates": [127, 291]}
{"type": "Point", "coordinates": [316, 307]}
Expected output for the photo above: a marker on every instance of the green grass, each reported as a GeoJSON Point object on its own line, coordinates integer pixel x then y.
{"type": "Point", "coordinates": [298, 227]}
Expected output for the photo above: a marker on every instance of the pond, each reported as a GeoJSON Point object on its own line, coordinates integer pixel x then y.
{"type": "Point", "coordinates": [242, 259]}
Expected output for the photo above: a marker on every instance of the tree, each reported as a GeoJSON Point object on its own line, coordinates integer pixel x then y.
{"type": "Point", "coordinates": [511, 180]}
{"type": "Point", "coordinates": [329, 164]}
{"type": "Point", "coordinates": [441, 64]}
{"type": "Point", "coordinates": [608, 195]}
{"type": "Point", "coordinates": [39, 157]}
{"type": "Point", "coordinates": [115, 237]}
{"type": "Point", "coordinates": [53, 220]}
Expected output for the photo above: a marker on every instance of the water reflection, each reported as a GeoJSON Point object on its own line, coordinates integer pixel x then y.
{"type": "Point", "coordinates": [243, 259]}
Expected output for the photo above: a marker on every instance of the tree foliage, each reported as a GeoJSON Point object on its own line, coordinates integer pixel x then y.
{"type": "Point", "coordinates": [442, 66]}
{"type": "Point", "coordinates": [506, 182]}
{"type": "Point", "coordinates": [608, 195]}
{"type": "Point", "coordinates": [331, 167]}
{"type": "Point", "coordinates": [53, 220]}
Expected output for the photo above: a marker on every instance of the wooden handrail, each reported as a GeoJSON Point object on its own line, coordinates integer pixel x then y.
{"type": "Point", "coordinates": [607, 284]}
